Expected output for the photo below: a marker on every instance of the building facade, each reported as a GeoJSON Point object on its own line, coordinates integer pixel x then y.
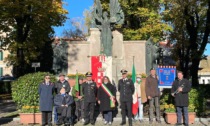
{"type": "Point", "coordinates": [204, 72]}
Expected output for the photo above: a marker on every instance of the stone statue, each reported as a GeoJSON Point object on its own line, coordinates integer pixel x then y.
{"type": "Point", "coordinates": [151, 55]}
{"type": "Point", "coordinates": [60, 57]}
{"type": "Point", "coordinates": [105, 23]}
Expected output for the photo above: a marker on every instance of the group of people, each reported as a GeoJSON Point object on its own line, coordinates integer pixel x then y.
{"type": "Point", "coordinates": [87, 95]}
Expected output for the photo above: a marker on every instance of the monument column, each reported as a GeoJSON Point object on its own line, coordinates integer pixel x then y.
{"type": "Point", "coordinates": [118, 61]}
{"type": "Point", "coordinates": [95, 42]}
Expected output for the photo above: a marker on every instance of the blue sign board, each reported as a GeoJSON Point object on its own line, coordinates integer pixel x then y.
{"type": "Point", "coordinates": [166, 76]}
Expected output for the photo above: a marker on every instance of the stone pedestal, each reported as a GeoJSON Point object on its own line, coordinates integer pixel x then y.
{"type": "Point", "coordinates": [95, 42]}
{"type": "Point", "coordinates": [118, 61]}
{"type": "Point", "coordinates": [107, 66]}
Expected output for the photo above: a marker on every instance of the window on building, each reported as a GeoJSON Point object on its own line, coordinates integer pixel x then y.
{"type": "Point", "coordinates": [203, 81]}
{"type": "Point", "coordinates": [1, 55]}
{"type": "Point", "coordinates": [1, 71]}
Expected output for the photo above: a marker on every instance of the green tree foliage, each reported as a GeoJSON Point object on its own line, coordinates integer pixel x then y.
{"type": "Point", "coordinates": [191, 20]}
{"type": "Point", "coordinates": [142, 19]}
{"type": "Point", "coordinates": [25, 26]}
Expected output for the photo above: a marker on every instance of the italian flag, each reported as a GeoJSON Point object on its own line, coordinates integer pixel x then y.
{"type": "Point", "coordinates": [135, 96]}
{"type": "Point", "coordinates": [76, 86]}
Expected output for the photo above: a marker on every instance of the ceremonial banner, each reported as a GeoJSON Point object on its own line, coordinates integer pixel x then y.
{"type": "Point", "coordinates": [166, 76]}
{"type": "Point", "coordinates": [95, 66]}
{"type": "Point", "coordinates": [101, 66]}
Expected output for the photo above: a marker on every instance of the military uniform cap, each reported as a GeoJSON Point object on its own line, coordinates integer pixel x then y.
{"type": "Point", "coordinates": [123, 71]}
{"type": "Point", "coordinates": [61, 74]}
{"type": "Point", "coordinates": [88, 74]}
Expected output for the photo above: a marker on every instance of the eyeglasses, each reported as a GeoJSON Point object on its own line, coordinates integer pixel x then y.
{"type": "Point", "coordinates": [47, 77]}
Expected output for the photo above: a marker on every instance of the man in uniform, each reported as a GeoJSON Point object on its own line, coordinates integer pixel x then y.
{"type": "Point", "coordinates": [153, 95]}
{"type": "Point", "coordinates": [89, 91]}
{"type": "Point", "coordinates": [126, 89]}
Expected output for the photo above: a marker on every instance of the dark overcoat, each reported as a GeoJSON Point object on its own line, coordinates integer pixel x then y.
{"type": "Point", "coordinates": [181, 98]}
{"type": "Point", "coordinates": [104, 98]}
{"type": "Point", "coordinates": [58, 100]}
{"type": "Point", "coordinates": [46, 96]}
{"type": "Point", "coordinates": [60, 85]}
{"type": "Point", "coordinates": [126, 89]}
{"type": "Point", "coordinates": [89, 90]}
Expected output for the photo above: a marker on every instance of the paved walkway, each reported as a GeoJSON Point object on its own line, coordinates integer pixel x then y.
{"type": "Point", "coordinates": [116, 122]}
{"type": "Point", "coordinates": [9, 107]}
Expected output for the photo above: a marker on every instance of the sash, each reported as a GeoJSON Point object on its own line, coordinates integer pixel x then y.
{"type": "Point", "coordinates": [109, 93]}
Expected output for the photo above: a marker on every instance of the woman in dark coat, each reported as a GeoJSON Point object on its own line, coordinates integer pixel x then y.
{"type": "Point", "coordinates": [46, 90]}
{"type": "Point", "coordinates": [106, 95]}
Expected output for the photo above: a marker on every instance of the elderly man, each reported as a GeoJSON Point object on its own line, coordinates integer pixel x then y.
{"type": "Point", "coordinates": [180, 90]}
{"type": "Point", "coordinates": [62, 83]}
{"type": "Point", "coordinates": [153, 95]}
{"type": "Point", "coordinates": [63, 102]}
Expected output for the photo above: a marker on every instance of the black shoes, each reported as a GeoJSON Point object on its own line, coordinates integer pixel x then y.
{"type": "Point", "coordinates": [122, 123]}
{"type": "Point", "coordinates": [150, 121]}
{"type": "Point", "coordinates": [86, 123]}
{"type": "Point", "coordinates": [178, 124]}
{"type": "Point", "coordinates": [158, 121]}
{"type": "Point", "coordinates": [92, 123]}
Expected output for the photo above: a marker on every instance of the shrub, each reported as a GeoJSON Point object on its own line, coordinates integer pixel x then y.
{"type": "Point", "coordinates": [143, 75]}
{"type": "Point", "coordinates": [73, 76]}
{"type": "Point", "coordinates": [25, 91]}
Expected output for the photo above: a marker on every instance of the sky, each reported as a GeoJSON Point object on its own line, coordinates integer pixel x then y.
{"type": "Point", "coordinates": [76, 9]}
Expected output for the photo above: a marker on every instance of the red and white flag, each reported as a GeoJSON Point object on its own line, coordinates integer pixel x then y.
{"type": "Point", "coordinates": [101, 66]}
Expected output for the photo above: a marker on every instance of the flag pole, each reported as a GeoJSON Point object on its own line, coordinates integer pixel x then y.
{"type": "Point", "coordinates": [133, 59]}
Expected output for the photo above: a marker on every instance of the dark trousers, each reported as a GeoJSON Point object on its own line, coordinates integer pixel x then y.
{"type": "Point", "coordinates": [108, 116]}
{"type": "Point", "coordinates": [64, 111]}
{"type": "Point", "coordinates": [179, 114]}
{"type": "Point", "coordinates": [79, 109]}
{"type": "Point", "coordinates": [89, 111]}
{"type": "Point", "coordinates": [46, 117]}
{"type": "Point", "coordinates": [63, 114]}
{"type": "Point", "coordinates": [126, 106]}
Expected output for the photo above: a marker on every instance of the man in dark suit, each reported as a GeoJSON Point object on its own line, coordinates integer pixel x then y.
{"type": "Point", "coordinates": [180, 90]}
{"type": "Point", "coordinates": [90, 92]}
{"type": "Point", "coordinates": [126, 89]}
{"type": "Point", "coordinates": [63, 102]}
